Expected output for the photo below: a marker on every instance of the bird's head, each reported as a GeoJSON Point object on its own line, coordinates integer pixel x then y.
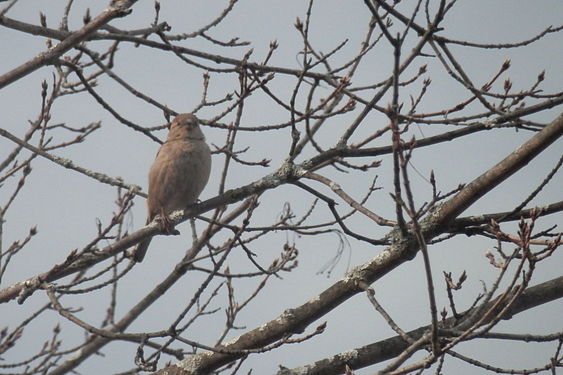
{"type": "Point", "coordinates": [185, 125]}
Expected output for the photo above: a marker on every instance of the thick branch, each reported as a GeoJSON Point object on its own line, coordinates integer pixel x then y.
{"type": "Point", "coordinates": [115, 10]}
{"type": "Point", "coordinates": [500, 172]}
{"type": "Point", "coordinates": [390, 348]}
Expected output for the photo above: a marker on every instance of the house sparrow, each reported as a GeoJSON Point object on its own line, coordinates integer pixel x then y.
{"type": "Point", "coordinates": [179, 173]}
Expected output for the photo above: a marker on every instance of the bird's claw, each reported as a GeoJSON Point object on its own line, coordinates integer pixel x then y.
{"type": "Point", "coordinates": [166, 226]}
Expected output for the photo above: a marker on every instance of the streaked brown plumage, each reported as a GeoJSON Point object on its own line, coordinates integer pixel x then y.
{"type": "Point", "coordinates": [179, 172]}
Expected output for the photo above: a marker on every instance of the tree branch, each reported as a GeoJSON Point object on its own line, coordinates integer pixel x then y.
{"type": "Point", "coordinates": [115, 10]}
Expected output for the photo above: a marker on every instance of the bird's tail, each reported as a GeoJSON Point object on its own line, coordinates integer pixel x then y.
{"type": "Point", "coordinates": [141, 250]}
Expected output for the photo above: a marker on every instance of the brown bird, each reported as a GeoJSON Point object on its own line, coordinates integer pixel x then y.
{"type": "Point", "coordinates": [179, 173]}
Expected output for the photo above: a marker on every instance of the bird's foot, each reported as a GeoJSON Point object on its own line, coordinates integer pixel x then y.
{"type": "Point", "coordinates": [166, 226]}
